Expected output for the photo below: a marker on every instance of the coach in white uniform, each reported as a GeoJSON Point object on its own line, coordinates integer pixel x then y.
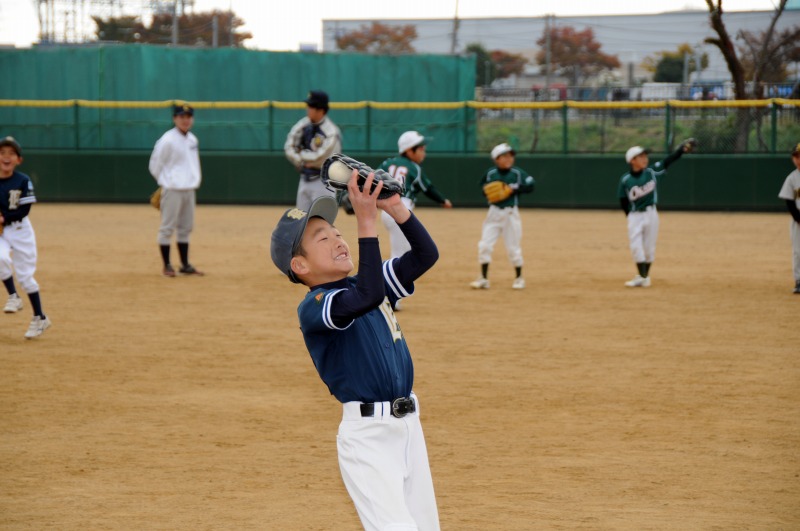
{"type": "Point", "coordinates": [312, 140]}
{"type": "Point", "coordinates": [175, 165]}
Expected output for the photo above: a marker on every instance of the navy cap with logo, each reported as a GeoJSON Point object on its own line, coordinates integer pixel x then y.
{"type": "Point", "coordinates": [317, 99]}
{"type": "Point", "coordinates": [796, 149]}
{"type": "Point", "coordinates": [289, 231]}
{"type": "Point", "coordinates": [11, 141]}
{"type": "Point", "coordinates": [178, 110]}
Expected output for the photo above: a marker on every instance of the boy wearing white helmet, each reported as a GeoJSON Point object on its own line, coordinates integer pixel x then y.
{"type": "Point", "coordinates": [406, 167]}
{"type": "Point", "coordinates": [503, 216]}
{"type": "Point", "coordinates": [638, 195]}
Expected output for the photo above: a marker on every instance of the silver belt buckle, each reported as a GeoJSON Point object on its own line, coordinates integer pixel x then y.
{"type": "Point", "coordinates": [402, 407]}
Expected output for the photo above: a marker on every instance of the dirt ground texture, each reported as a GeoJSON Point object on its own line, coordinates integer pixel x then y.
{"type": "Point", "coordinates": [577, 403]}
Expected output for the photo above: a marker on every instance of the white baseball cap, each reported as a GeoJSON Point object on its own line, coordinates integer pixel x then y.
{"type": "Point", "coordinates": [500, 149]}
{"type": "Point", "coordinates": [634, 152]}
{"type": "Point", "coordinates": [408, 140]}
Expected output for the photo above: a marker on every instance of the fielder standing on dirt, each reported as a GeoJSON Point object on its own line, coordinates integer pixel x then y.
{"type": "Point", "coordinates": [790, 192]}
{"type": "Point", "coordinates": [638, 196]}
{"type": "Point", "coordinates": [16, 198]}
{"type": "Point", "coordinates": [175, 165]}
{"type": "Point", "coordinates": [502, 186]}
{"type": "Point", "coordinates": [309, 143]}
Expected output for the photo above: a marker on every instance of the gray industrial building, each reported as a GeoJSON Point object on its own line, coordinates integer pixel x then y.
{"type": "Point", "coordinates": [631, 38]}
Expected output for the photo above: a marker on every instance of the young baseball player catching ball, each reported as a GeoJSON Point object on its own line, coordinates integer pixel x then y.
{"type": "Point", "coordinates": [360, 351]}
{"type": "Point", "coordinates": [502, 186]}
{"type": "Point", "coordinates": [16, 198]}
{"type": "Point", "coordinates": [638, 196]}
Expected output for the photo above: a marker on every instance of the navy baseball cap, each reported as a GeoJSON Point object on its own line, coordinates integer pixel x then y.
{"type": "Point", "coordinates": [317, 99]}
{"type": "Point", "coordinates": [11, 141]}
{"type": "Point", "coordinates": [289, 231]}
{"type": "Point", "coordinates": [795, 149]}
{"type": "Point", "coordinates": [178, 110]}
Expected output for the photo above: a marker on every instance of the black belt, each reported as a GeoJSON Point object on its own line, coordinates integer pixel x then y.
{"type": "Point", "coordinates": [400, 408]}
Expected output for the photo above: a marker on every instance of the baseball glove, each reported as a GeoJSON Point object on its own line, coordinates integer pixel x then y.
{"type": "Point", "coordinates": [689, 145]}
{"type": "Point", "coordinates": [337, 169]}
{"type": "Point", "coordinates": [497, 191]}
{"type": "Point", "coordinates": [155, 199]}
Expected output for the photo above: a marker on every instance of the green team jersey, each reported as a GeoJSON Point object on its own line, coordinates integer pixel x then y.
{"type": "Point", "coordinates": [637, 191]}
{"type": "Point", "coordinates": [516, 177]}
{"type": "Point", "coordinates": [641, 189]}
{"type": "Point", "coordinates": [413, 178]}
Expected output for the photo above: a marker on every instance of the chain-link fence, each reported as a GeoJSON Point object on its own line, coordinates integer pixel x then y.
{"type": "Point", "coordinates": [759, 126]}
{"type": "Point", "coordinates": [720, 126]}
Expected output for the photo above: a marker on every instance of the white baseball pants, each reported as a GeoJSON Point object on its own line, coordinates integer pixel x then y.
{"type": "Point", "coordinates": [397, 239]}
{"type": "Point", "coordinates": [307, 191]}
{"type": "Point", "coordinates": [642, 234]}
{"type": "Point", "coordinates": [794, 231]}
{"type": "Point", "coordinates": [505, 221]}
{"type": "Point", "coordinates": [19, 238]}
{"type": "Point", "coordinates": [384, 465]}
{"type": "Point", "coordinates": [177, 215]}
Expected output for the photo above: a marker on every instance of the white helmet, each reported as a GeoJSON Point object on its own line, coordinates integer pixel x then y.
{"type": "Point", "coordinates": [408, 140]}
{"type": "Point", "coordinates": [501, 149]}
{"type": "Point", "coordinates": [634, 152]}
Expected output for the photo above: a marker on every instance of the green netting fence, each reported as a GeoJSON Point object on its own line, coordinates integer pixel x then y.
{"type": "Point", "coordinates": [757, 126]}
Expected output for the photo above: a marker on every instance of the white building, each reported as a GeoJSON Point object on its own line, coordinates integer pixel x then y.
{"type": "Point", "coordinates": [631, 38]}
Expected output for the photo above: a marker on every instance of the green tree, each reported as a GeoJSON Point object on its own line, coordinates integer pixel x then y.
{"type": "Point", "coordinates": [667, 66]}
{"type": "Point", "coordinates": [379, 39]}
{"type": "Point", "coordinates": [497, 64]}
{"type": "Point", "coordinates": [485, 69]}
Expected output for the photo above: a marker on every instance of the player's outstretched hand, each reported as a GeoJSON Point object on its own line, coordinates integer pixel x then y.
{"type": "Point", "coordinates": [689, 145]}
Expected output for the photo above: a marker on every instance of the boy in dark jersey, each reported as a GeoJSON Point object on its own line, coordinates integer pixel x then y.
{"type": "Point", "coordinates": [360, 352]}
{"type": "Point", "coordinates": [16, 198]}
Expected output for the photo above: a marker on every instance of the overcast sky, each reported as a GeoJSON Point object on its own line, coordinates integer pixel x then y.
{"type": "Point", "coordinates": [285, 25]}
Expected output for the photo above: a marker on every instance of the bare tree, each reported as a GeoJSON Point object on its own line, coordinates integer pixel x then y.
{"type": "Point", "coordinates": [762, 51]}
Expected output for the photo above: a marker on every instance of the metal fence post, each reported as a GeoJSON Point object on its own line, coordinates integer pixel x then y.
{"type": "Point", "coordinates": [271, 126]}
{"type": "Point", "coordinates": [774, 135]}
{"type": "Point", "coordinates": [466, 128]}
{"type": "Point", "coordinates": [76, 124]}
{"type": "Point", "coordinates": [368, 131]}
{"type": "Point", "coordinates": [667, 126]}
{"type": "Point", "coordinates": [565, 130]}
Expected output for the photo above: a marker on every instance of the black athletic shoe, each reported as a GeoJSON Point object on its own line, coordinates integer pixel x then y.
{"type": "Point", "coordinates": [190, 270]}
{"type": "Point", "coordinates": [168, 271]}
{"type": "Point", "coordinates": [797, 287]}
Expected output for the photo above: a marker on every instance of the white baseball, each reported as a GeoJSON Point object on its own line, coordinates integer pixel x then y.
{"type": "Point", "coordinates": [339, 172]}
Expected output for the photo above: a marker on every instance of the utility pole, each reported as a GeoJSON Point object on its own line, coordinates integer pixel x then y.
{"type": "Point", "coordinates": [547, 55]}
{"type": "Point", "coordinates": [215, 31]}
{"type": "Point", "coordinates": [454, 36]}
{"type": "Point", "coordinates": [175, 23]}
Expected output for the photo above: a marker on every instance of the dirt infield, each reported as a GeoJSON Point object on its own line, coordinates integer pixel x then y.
{"type": "Point", "coordinates": [191, 403]}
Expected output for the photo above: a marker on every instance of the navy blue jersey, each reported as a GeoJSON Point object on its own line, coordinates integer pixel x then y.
{"type": "Point", "coordinates": [16, 197]}
{"type": "Point", "coordinates": [366, 360]}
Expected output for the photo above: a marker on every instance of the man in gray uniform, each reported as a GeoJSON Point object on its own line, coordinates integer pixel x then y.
{"type": "Point", "coordinates": [309, 143]}
{"type": "Point", "coordinates": [175, 165]}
